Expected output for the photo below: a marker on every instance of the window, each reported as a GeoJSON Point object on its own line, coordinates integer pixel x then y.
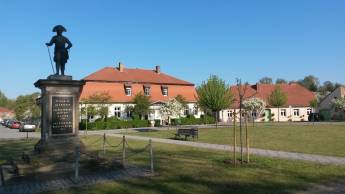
{"type": "Point", "coordinates": [186, 111]}
{"type": "Point", "coordinates": [229, 113]}
{"type": "Point", "coordinates": [254, 114]}
{"type": "Point", "coordinates": [128, 91]}
{"type": "Point", "coordinates": [117, 111]}
{"type": "Point", "coordinates": [296, 112]}
{"type": "Point", "coordinates": [165, 91]}
{"type": "Point", "coordinates": [147, 91]}
{"type": "Point", "coordinates": [308, 111]}
{"type": "Point", "coordinates": [196, 110]}
{"type": "Point", "coordinates": [283, 112]}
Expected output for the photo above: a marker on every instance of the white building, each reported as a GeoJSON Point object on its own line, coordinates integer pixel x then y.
{"type": "Point", "coordinates": [297, 107]}
{"type": "Point", "coordinates": [122, 84]}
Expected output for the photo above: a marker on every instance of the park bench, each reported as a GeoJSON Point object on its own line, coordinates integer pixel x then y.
{"type": "Point", "coordinates": [187, 132]}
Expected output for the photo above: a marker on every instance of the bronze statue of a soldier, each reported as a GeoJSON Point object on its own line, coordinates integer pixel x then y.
{"type": "Point", "coordinates": [60, 50]}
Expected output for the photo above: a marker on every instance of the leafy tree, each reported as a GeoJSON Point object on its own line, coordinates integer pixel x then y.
{"type": "Point", "coordinates": [6, 102]}
{"type": "Point", "coordinates": [26, 107]}
{"type": "Point", "coordinates": [277, 98]}
{"type": "Point", "coordinates": [281, 81]}
{"type": "Point", "coordinates": [214, 95]}
{"type": "Point", "coordinates": [100, 101]}
{"type": "Point", "coordinates": [310, 82]}
{"type": "Point", "coordinates": [142, 105]}
{"type": "Point", "coordinates": [266, 80]}
{"type": "Point", "coordinates": [181, 99]}
{"type": "Point", "coordinates": [172, 108]}
{"type": "Point", "coordinates": [339, 103]}
{"type": "Point", "coordinates": [254, 105]}
{"type": "Point", "coordinates": [314, 104]}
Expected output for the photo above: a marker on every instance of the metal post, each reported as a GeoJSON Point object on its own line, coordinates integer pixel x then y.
{"type": "Point", "coordinates": [124, 151]}
{"type": "Point", "coordinates": [151, 156]}
{"type": "Point", "coordinates": [27, 135]}
{"type": "Point", "coordinates": [104, 139]}
{"type": "Point", "coordinates": [77, 157]}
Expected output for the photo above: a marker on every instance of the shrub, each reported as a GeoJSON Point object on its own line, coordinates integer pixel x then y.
{"type": "Point", "coordinates": [157, 123]}
{"type": "Point", "coordinates": [114, 124]}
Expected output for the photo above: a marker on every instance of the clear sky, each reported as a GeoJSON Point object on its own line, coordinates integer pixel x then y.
{"type": "Point", "coordinates": [189, 39]}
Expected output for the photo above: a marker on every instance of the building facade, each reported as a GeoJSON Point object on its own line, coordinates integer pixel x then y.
{"type": "Point", "coordinates": [122, 84]}
{"type": "Point", "coordinates": [297, 107]}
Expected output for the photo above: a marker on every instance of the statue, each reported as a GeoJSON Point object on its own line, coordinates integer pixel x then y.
{"type": "Point", "coordinates": [60, 50]}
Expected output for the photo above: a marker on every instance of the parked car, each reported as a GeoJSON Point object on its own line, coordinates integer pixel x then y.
{"type": "Point", "coordinates": [314, 117]}
{"type": "Point", "coordinates": [9, 123]}
{"type": "Point", "coordinates": [15, 125]}
{"type": "Point", "coordinates": [27, 127]}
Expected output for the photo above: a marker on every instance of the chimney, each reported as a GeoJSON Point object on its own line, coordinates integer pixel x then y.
{"type": "Point", "coordinates": [121, 67]}
{"type": "Point", "coordinates": [158, 69]}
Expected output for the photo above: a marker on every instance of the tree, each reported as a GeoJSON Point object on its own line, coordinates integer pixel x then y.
{"type": "Point", "coordinates": [142, 105]}
{"type": "Point", "coordinates": [339, 103]}
{"type": "Point", "coordinates": [26, 107]}
{"type": "Point", "coordinates": [281, 81]}
{"type": "Point", "coordinates": [181, 99]}
{"type": "Point", "coordinates": [214, 95]}
{"type": "Point", "coordinates": [254, 105]}
{"type": "Point", "coordinates": [6, 102]}
{"type": "Point", "coordinates": [266, 80]}
{"type": "Point", "coordinates": [310, 82]}
{"type": "Point", "coordinates": [172, 108]}
{"type": "Point", "coordinates": [313, 104]}
{"type": "Point", "coordinates": [99, 101]}
{"type": "Point", "coordinates": [277, 98]}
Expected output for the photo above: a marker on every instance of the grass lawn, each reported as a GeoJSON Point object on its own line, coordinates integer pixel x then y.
{"type": "Point", "coordinates": [191, 170]}
{"type": "Point", "coordinates": [324, 139]}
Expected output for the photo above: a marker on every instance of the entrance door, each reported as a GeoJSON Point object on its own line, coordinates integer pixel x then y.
{"type": "Point", "coordinates": [267, 115]}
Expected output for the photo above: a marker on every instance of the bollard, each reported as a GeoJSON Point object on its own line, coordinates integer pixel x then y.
{"type": "Point", "coordinates": [124, 152]}
{"type": "Point", "coordinates": [104, 139]}
{"type": "Point", "coordinates": [77, 157]}
{"type": "Point", "coordinates": [151, 156]}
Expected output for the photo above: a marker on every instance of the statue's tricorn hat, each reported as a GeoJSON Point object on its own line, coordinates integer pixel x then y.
{"type": "Point", "coordinates": [59, 28]}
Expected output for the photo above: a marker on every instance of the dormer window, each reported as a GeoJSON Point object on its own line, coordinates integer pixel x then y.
{"type": "Point", "coordinates": [128, 89]}
{"type": "Point", "coordinates": [147, 90]}
{"type": "Point", "coordinates": [165, 90]}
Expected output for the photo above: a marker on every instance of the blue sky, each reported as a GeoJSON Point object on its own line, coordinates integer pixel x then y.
{"type": "Point", "coordinates": [189, 39]}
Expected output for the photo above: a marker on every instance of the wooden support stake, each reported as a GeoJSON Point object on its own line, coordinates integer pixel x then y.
{"type": "Point", "coordinates": [247, 138]}
{"type": "Point", "coordinates": [151, 156]}
{"type": "Point", "coordinates": [234, 138]}
{"type": "Point", "coordinates": [104, 139]}
{"type": "Point", "coordinates": [124, 152]}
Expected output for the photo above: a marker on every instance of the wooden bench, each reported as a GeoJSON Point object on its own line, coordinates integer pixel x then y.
{"type": "Point", "coordinates": [187, 132]}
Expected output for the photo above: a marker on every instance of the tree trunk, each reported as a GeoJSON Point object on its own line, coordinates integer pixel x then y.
{"type": "Point", "coordinates": [216, 115]}
{"type": "Point", "coordinates": [278, 115]}
{"type": "Point", "coordinates": [247, 139]}
{"type": "Point", "coordinates": [234, 117]}
{"type": "Point", "coordinates": [241, 135]}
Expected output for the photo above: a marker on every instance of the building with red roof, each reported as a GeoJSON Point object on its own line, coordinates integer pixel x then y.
{"type": "Point", "coordinates": [122, 84]}
{"type": "Point", "coordinates": [6, 113]}
{"type": "Point", "coordinates": [297, 107]}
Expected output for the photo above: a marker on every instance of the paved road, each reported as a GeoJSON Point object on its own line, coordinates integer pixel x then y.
{"type": "Point", "coordinates": [6, 133]}
{"type": "Point", "coordinates": [260, 152]}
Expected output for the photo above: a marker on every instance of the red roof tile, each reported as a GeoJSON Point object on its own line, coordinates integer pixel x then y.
{"type": "Point", "coordinates": [297, 95]}
{"type": "Point", "coordinates": [2, 109]}
{"type": "Point", "coordinates": [112, 74]}
{"type": "Point", "coordinates": [112, 81]}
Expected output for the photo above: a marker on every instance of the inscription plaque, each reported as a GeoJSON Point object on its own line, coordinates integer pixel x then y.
{"type": "Point", "coordinates": [62, 115]}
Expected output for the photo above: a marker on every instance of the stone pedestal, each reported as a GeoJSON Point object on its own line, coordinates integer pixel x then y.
{"type": "Point", "coordinates": [60, 107]}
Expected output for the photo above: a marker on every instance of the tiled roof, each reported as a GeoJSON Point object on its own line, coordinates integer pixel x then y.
{"type": "Point", "coordinates": [297, 95]}
{"type": "Point", "coordinates": [2, 109]}
{"type": "Point", "coordinates": [112, 74]}
{"type": "Point", "coordinates": [113, 82]}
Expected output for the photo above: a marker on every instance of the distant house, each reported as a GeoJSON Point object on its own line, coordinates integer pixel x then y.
{"type": "Point", "coordinates": [297, 107]}
{"type": "Point", "coordinates": [325, 106]}
{"type": "Point", "coordinates": [6, 113]}
{"type": "Point", "coordinates": [122, 84]}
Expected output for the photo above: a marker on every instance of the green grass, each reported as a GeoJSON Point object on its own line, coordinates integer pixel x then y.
{"type": "Point", "coordinates": [314, 139]}
{"type": "Point", "coordinates": [191, 170]}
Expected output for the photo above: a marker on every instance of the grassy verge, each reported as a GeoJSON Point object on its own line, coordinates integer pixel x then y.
{"type": "Point", "coordinates": [313, 139]}
{"type": "Point", "coordinates": [191, 170]}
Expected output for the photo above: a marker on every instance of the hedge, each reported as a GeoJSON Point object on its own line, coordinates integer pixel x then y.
{"type": "Point", "coordinates": [191, 120]}
{"type": "Point", "coordinates": [113, 124]}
